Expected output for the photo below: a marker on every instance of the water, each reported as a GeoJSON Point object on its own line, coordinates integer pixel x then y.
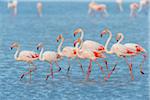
{"type": "Point", "coordinates": [62, 18]}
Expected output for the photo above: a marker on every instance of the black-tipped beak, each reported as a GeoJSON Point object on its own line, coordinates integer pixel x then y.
{"type": "Point", "coordinates": [101, 35]}
{"type": "Point", "coordinates": [74, 44]}
{"type": "Point", "coordinates": [11, 48]}
{"type": "Point", "coordinates": [117, 40]}
{"type": "Point", "coordinates": [74, 35]}
{"type": "Point", "coordinates": [37, 48]}
{"type": "Point", "coordinates": [57, 40]}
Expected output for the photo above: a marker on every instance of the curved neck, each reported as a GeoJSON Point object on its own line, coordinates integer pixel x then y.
{"type": "Point", "coordinates": [107, 42]}
{"type": "Point", "coordinates": [60, 45]}
{"type": "Point", "coordinates": [17, 52]}
{"type": "Point", "coordinates": [41, 53]}
{"type": "Point", "coordinates": [82, 34]}
{"type": "Point", "coordinates": [121, 39]}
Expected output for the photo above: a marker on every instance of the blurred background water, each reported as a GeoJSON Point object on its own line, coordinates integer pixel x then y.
{"type": "Point", "coordinates": [63, 18]}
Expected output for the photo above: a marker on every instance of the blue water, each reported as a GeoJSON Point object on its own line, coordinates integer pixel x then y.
{"type": "Point", "coordinates": [62, 18]}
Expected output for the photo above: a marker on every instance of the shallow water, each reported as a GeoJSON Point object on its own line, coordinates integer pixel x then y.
{"type": "Point", "coordinates": [62, 18]}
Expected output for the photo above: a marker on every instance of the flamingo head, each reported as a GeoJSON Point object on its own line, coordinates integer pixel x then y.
{"type": "Point", "coordinates": [119, 35]}
{"type": "Point", "coordinates": [77, 41]}
{"type": "Point", "coordinates": [105, 31]}
{"type": "Point", "coordinates": [77, 31]}
{"type": "Point", "coordinates": [59, 37]}
{"type": "Point", "coordinates": [40, 45]}
{"type": "Point", "coordinates": [14, 45]}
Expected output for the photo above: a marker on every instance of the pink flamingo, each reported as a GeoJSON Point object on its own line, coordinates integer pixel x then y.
{"type": "Point", "coordinates": [25, 56]}
{"type": "Point", "coordinates": [89, 44]}
{"type": "Point", "coordinates": [135, 48]}
{"type": "Point", "coordinates": [120, 2]}
{"type": "Point", "coordinates": [143, 3]}
{"type": "Point", "coordinates": [39, 8]}
{"type": "Point", "coordinates": [97, 7]}
{"type": "Point", "coordinates": [118, 49]}
{"type": "Point", "coordinates": [13, 5]}
{"type": "Point", "coordinates": [133, 9]}
{"type": "Point", "coordinates": [92, 56]}
{"type": "Point", "coordinates": [50, 57]}
{"type": "Point", "coordinates": [69, 52]}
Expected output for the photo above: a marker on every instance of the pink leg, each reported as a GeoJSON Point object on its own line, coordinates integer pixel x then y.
{"type": "Point", "coordinates": [29, 72]}
{"type": "Point", "coordinates": [58, 67]}
{"type": "Point", "coordinates": [101, 68]}
{"type": "Point", "coordinates": [68, 65]}
{"type": "Point", "coordinates": [105, 61]}
{"type": "Point", "coordinates": [89, 70]}
{"type": "Point", "coordinates": [110, 73]}
{"type": "Point", "coordinates": [141, 70]}
{"type": "Point", "coordinates": [130, 68]}
{"type": "Point", "coordinates": [80, 66]}
{"type": "Point", "coordinates": [51, 70]}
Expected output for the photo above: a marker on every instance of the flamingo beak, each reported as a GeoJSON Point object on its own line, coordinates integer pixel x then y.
{"type": "Point", "coordinates": [117, 40]}
{"type": "Point", "coordinates": [57, 40]}
{"type": "Point", "coordinates": [75, 43]}
{"type": "Point", "coordinates": [102, 33]}
{"type": "Point", "coordinates": [11, 48]}
{"type": "Point", "coordinates": [75, 33]}
{"type": "Point", "coordinates": [37, 48]}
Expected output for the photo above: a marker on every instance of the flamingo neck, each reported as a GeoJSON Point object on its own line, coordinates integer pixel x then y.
{"type": "Point", "coordinates": [41, 53]}
{"type": "Point", "coordinates": [60, 45]}
{"type": "Point", "coordinates": [107, 42]}
{"type": "Point", "coordinates": [121, 39]}
{"type": "Point", "coordinates": [17, 53]}
{"type": "Point", "coordinates": [80, 50]}
{"type": "Point", "coordinates": [82, 35]}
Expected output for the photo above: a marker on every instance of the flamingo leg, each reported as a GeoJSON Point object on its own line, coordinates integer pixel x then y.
{"type": "Point", "coordinates": [80, 65]}
{"type": "Point", "coordinates": [68, 65]}
{"type": "Point", "coordinates": [101, 68]}
{"type": "Point", "coordinates": [89, 70]}
{"type": "Point", "coordinates": [130, 68]}
{"type": "Point", "coordinates": [105, 61]}
{"type": "Point", "coordinates": [51, 74]}
{"type": "Point", "coordinates": [29, 72]}
{"type": "Point", "coordinates": [110, 73]}
{"type": "Point", "coordinates": [58, 67]}
{"type": "Point", "coordinates": [141, 69]}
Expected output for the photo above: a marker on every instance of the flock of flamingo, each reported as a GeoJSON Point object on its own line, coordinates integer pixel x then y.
{"type": "Point", "coordinates": [82, 49]}
{"type": "Point", "coordinates": [93, 7]}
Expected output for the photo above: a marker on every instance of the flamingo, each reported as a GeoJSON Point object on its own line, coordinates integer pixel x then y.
{"type": "Point", "coordinates": [68, 51]}
{"type": "Point", "coordinates": [136, 48]}
{"type": "Point", "coordinates": [25, 56]}
{"type": "Point", "coordinates": [13, 5]}
{"type": "Point", "coordinates": [119, 49]}
{"type": "Point", "coordinates": [50, 57]}
{"type": "Point", "coordinates": [133, 9]}
{"type": "Point", "coordinates": [97, 7]}
{"type": "Point", "coordinates": [92, 56]}
{"type": "Point", "coordinates": [89, 44]}
{"type": "Point", "coordinates": [143, 3]}
{"type": "Point", "coordinates": [39, 8]}
{"type": "Point", "coordinates": [120, 2]}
